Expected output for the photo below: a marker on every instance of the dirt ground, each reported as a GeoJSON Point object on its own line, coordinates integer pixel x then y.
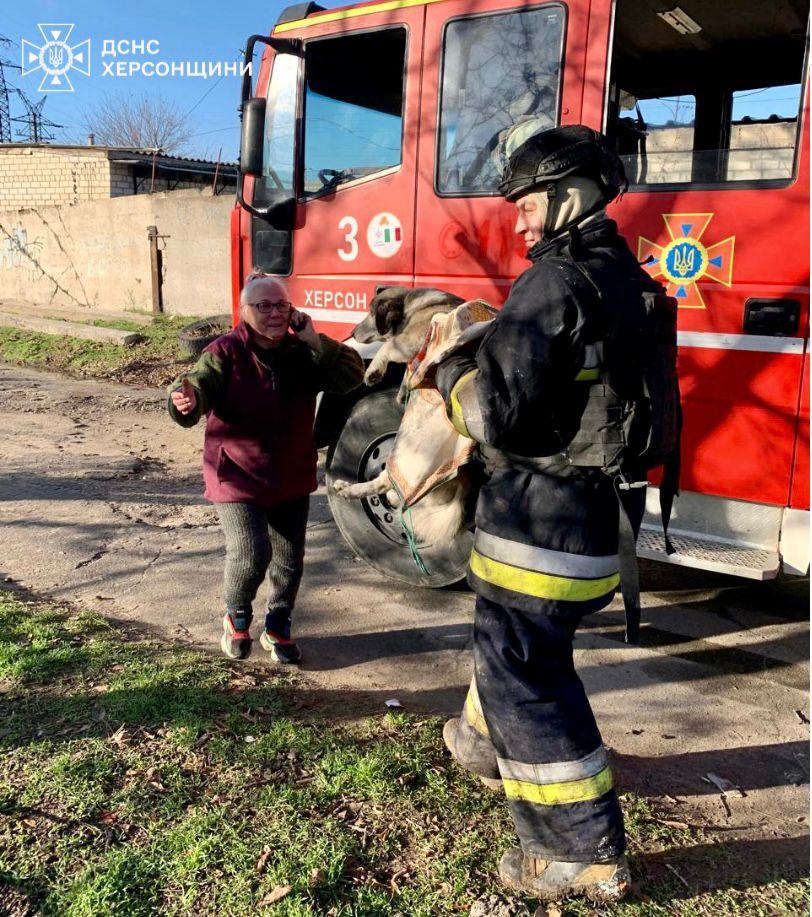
{"type": "Point", "coordinates": [100, 504]}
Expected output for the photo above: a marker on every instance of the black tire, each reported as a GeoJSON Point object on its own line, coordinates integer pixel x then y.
{"type": "Point", "coordinates": [198, 335]}
{"type": "Point", "coordinates": [370, 429]}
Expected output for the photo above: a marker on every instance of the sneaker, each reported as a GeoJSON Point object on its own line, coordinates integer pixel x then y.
{"type": "Point", "coordinates": [551, 880]}
{"type": "Point", "coordinates": [286, 651]}
{"type": "Point", "coordinates": [236, 644]}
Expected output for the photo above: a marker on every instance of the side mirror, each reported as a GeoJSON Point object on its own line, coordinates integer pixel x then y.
{"type": "Point", "coordinates": [252, 139]}
{"type": "Point", "coordinates": [252, 113]}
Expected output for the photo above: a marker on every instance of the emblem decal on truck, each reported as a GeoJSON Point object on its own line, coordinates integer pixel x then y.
{"type": "Point", "coordinates": [384, 235]}
{"type": "Point", "coordinates": [683, 260]}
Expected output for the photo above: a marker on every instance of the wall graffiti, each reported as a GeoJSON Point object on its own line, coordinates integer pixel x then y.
{"type": "Point", "coordinates": [13, 248]}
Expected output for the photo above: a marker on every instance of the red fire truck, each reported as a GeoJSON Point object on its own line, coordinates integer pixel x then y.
{"type": "Point", "coordinates": [371, 151]}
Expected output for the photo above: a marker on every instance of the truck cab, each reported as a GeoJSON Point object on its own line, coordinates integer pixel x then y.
{"type": "Point", "coordinates": [372, 149]}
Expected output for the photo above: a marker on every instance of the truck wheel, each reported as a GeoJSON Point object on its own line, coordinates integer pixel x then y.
{"type": "Point", "coordinates": [371, 526]}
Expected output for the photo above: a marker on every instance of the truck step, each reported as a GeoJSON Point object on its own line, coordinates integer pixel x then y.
{"type": "Point", "coordinates": [707, 554]}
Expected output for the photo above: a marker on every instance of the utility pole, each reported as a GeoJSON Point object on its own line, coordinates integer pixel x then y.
{"type": "Point", "coordinates": [36, 125]}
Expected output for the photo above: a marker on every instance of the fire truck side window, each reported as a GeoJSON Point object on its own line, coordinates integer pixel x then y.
{"type": "Point", "coordinates": [498, 70]}
{"type": "Point", "coordinates": [707, 93]}
{"type": "Point", "coordinates": [353, 107]}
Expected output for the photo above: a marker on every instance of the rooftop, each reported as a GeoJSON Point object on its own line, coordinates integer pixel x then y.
{"type": "Point", "coordinates": [127, 154]}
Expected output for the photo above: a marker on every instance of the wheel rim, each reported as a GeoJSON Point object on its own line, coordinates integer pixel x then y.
{"type": "Point", "coordinates": [381, 513]}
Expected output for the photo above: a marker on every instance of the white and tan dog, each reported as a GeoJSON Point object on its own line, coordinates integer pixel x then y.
{"type": "Point", "coordinates": [429, 467]}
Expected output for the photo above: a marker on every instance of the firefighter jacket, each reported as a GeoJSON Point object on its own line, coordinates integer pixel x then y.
{"type": "Point", "coordinates": [545, 542]}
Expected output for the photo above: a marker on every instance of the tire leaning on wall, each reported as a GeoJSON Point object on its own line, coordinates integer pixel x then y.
{"type": "Point", "coordinates": [195, 337]}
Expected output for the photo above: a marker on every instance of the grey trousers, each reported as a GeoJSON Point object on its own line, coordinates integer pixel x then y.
{"type": "Point", "coordinates": [260, 539]}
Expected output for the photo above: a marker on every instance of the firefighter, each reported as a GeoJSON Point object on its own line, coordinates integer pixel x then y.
{"type": "Point", "coordinates": [546, 547]}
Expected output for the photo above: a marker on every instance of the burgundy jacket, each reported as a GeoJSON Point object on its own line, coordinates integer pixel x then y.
{"type": "Point", "coordinates": [260, 404]}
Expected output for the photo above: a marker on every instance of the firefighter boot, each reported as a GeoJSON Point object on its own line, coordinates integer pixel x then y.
{"type": "Point", "coordinates": [552, 880]}
{"type": "Point", "coordinates": [472, 752]}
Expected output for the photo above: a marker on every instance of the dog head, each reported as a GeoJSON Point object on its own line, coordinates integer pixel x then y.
{"type": "Point", "coordinates": [394, 308]}
{"type": "Point", "coordinates": [385, 315]}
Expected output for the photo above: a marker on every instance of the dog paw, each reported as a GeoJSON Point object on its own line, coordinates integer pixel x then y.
{"type": "Point", "coordinates": [339, 486]}
{"type": "Point", "coordinates": [373, 375]}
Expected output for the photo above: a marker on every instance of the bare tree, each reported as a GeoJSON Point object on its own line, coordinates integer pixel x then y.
{"type": "Point", "coordinates": [140, 122]}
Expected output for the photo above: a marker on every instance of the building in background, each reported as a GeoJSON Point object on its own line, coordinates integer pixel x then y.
{"type": "Point", "coordinates": [47, 174]}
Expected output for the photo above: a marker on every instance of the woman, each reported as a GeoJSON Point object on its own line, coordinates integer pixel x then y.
{"type": "Point", "coordinates": [258, 385]}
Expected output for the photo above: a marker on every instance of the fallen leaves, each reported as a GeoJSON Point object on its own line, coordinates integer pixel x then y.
{"type": "Point", "coordinates": [276, 895]}
{"type": "Point", "coordinates": [119, 737]}
{"type": "Point", "coordinates": [547, 910]}
{"type": "Point", "coordinates": [262, 862]}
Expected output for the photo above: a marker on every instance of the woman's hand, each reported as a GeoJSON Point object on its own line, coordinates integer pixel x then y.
{"type": "Point", "coordinates": [301, 324]}
{"type": "Point", "coordinates": [184, 398]}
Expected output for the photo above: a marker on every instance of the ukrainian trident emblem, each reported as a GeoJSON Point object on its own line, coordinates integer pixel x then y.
{"type": "Point", "coordinates": [56, 57]}
{"type": "Point", "coordinates": [684, 259]}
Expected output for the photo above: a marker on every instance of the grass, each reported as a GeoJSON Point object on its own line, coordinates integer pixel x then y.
{"type": "Point", "coordinates": [154, 361]}
{"type": "Point", "coordinates": [138, 777]}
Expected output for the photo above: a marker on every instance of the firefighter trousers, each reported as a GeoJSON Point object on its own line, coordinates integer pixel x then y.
{"type": "Point", "coordinates": [527, 719]}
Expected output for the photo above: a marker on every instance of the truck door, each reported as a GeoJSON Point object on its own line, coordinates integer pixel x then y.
{"type": "Point", "coordinates": [352, 104]}
{"type": "Point", "coordinates": [486, 69]}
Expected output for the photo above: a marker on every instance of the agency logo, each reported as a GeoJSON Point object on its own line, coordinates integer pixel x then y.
{"type": "Point", "coordinates": [384, 235]}
{"type": "Point", "coordinates": [684, 259]}
{"type": "Point", "coordinates": [56, 57]}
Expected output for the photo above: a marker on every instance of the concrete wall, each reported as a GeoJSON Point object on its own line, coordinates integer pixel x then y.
{"type": "Point", "coordinates": [96, 253]}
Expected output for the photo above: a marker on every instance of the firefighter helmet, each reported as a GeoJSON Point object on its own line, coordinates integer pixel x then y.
{"type": "Point", "coordinates": [553, 154]}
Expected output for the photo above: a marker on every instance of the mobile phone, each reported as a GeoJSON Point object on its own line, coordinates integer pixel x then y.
{"type": "Point", "coordinates": [297, 320]}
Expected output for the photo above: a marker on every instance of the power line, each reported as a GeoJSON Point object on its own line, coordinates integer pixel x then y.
{"type": "Point", "coordinates": [210, 89]}
{"type": "Point", "coordinates": [217, 130]}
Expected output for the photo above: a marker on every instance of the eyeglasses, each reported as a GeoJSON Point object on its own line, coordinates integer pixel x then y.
{"type": "Point", "coordinates": [265, 306]}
